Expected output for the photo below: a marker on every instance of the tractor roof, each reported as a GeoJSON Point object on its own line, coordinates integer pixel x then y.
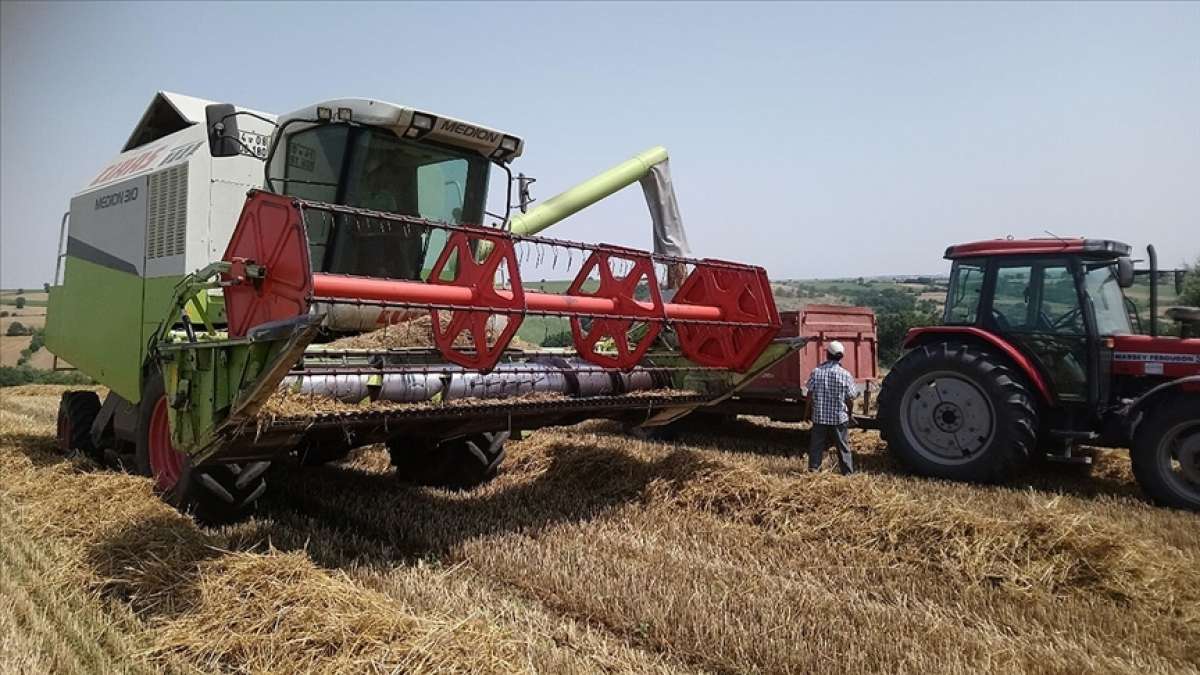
{"type": "Point", "coordinates": [1099, 248]}
{"type": "Point", "coordinates": [409, 122]}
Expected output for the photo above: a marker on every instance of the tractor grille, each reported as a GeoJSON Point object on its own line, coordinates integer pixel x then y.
{"type": "Point", "coordinates": [166, 224]}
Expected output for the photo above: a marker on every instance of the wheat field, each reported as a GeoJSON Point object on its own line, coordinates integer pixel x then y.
{"type": "Point", "coordinates": [593, 552]}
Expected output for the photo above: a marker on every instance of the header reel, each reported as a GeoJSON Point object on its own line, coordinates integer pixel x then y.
{"type": "Point", "coordinates": [723, 314]}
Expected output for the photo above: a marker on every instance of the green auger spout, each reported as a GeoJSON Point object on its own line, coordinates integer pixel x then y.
{"type": "Point", "coordinates": [586, 193]}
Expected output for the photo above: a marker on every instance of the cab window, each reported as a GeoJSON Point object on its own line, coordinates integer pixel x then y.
{"type": "Point", "coordinates": [962, 300]}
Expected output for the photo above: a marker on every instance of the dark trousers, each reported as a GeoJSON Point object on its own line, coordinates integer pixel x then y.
{"type": "Point", "coordinates": [821, 437]}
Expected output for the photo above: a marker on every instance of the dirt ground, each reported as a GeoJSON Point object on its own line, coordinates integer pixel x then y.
{"type": "Point", "coordinates": [594, 552]}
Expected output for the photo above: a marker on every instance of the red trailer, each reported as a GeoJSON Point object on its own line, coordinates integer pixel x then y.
{"type": "Point", "coordinates": [779, 393]}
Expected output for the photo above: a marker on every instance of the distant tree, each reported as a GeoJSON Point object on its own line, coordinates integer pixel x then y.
{"type": "Point", "coordinates": [559, 339]}
{"type": "Point", "coordinates": [46, 287]}
{"type": "Point", "coordinates": [20, 291]}
{"type": "Point", "coordinates": [20, 302]}
{"type": "Point", "coordinates": [893, 326]}
{"type": "Point", "coordinates": [3, 314]}
{"type": "Point", "coordinates": [39, 339]}
{"type": "Point", "coordinates": [18, 328]}
{"type": "Point", "coordinates": [1191, 286]}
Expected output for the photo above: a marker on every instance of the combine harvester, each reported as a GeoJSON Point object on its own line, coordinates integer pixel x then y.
{"type": "Point", "coordinates": [209, 270]}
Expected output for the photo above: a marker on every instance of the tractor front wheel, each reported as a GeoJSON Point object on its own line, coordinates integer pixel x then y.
{"type": "Point", "coordinates": [76, 412]}
{"type": "Point", "coordinates": [459, 463]}
{"type": "Point", "coordinates": [1166, 453]}
{"type": "Point", "coordinates": [954, 411]}
{"type": "Point", "coordinates": [218, 493]}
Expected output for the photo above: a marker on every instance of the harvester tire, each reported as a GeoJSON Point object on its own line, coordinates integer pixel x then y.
{"type": "Point", "coordinates": [954, 411]}
{"type": "Point", "coordinates": [212, 494]}
{"type": "Point", "coordinates": [1166, 453]}
{"type": "Point", "coordinates": [458, 464]}
{"type": "Point", "coordinates": [77, 411]}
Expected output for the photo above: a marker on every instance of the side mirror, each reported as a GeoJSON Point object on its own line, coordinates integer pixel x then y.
{"type": "Point", "coordinates": [222, 130]}
{"type": "Point", "coordinates": [1124, 272]}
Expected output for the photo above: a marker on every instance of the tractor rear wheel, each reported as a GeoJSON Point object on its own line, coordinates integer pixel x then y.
{"type": "Point", "coordinates": [218, 493]}
{"type": "Point", "coordinates": [459, 463]}
{"type": "Point", "coordinates": [1166, 453]}
{"type": "Point", "coordinates": [954, 411]}
{"type": "Point", "coordinates": [77, 411]}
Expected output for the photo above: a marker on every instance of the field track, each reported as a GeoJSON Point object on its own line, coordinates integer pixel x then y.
{"type": "Point", "coordinates": [593, 552]}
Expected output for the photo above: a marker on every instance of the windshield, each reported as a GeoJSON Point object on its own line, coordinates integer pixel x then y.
{"type": "Point", "coordinates": [1108, 302]}
{"type": "Point", "coordinates": [375, 169]}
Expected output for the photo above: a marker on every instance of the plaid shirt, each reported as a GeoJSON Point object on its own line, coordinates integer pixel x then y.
{"type": "Point", "coordinates": [829, 387]}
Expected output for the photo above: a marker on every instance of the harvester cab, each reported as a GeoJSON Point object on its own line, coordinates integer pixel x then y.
{"type": "Point", "coordinates": [1037, 354]}
{"type": "Point", "coordinates": [261, 263]}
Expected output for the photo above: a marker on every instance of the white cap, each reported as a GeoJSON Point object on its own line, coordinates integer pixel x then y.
{"type": "Point", "coordinates": [835, 348]}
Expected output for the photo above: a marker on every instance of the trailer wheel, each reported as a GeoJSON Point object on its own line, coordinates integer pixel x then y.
{"type": "Point", "coordinates": [459, 464]}
{"type": "Point", "coordinates": [77, 411]}
{"type": "Point", "coordinates": [950, 410]}
{"type": "Point", "coordinates": [1166, 453]}
{"type": "Point", "coordinates": [218, 493]}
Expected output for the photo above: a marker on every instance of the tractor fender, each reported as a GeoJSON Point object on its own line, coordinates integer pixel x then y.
{"type": "Point", "coordinates": [1191, 383]}
{"type": "Point", "coordinates": [919, 336]}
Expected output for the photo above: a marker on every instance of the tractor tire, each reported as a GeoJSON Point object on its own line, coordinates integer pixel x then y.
{"type": "Point", "coordinates": [1166, 453]}
{"type": "Point", "coordinates": [458, 464]}
{"type": "Point", "coordinates": [954, 411]}
{"type": "Point", "coordinates": [212, 494]}
{"type": "Point", "coordinates": [77, 411]}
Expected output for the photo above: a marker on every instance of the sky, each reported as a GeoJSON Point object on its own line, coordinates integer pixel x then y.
{"type": "Point", "coordinates": [817, 140]}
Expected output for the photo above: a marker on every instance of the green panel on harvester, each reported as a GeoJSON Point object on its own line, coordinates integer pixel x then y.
{"type": "Point", "coordinates": [158, 299]}
{"type": "Point", "coordinates": [94, 325]}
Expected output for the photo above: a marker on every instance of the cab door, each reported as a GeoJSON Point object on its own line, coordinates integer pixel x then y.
{"type": "Point", "coordinates": [1035, 303]}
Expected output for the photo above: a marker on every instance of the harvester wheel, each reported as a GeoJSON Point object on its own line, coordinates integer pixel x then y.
{"type": "Point", "coordinates": [76, 412]}
{"type": "Point", "coordinates": [217, 493]}
{"type": "Point", "coordinates": [950, 410]}
{"type": "Point", "coordinates": [459, 463]}
{"type": "Point", "coordinates": [1166, 453]}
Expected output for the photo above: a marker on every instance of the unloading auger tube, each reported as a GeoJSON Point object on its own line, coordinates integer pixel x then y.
{"type": "Point", "coordinates": [722, 318]}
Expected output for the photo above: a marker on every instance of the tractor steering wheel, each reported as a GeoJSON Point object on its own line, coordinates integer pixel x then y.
{"type": "Point", "coordinates": [1066, 320]}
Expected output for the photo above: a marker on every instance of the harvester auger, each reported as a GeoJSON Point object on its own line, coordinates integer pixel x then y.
{"type": "Point", "coordinates": [237, 365]}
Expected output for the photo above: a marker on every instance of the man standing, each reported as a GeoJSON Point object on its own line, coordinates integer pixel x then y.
{"type": "Point", "coordinates": [831, 393]}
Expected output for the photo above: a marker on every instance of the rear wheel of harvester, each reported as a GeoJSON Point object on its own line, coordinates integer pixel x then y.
{"type": "Point", "coordinates": [460, 463]}
{"type": "Point", "coordinates": [76, 412]}
{"type": "Point", "coordinates": [954, 411]}
{"type": "Point", "coordinates": [216, 493]}
{"type": "Point", "coordinates": [1166, 453]}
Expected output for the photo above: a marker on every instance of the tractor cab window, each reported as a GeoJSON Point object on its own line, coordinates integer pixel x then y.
{"type": "Point", "coordinates": [1011, 300]}
{"type": "Point", "coordinates": [375, 169]}
{"type": "Point", "coordinates": [962, 300]}
{"type": "Point", "coordinates": [1108, 301]}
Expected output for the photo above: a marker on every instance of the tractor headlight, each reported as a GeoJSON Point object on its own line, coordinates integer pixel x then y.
{"type": "Point", "coordinates": [324, 114]}
{"type": "Point", "coordinates": [509, 144]}
{"type": "Point", "coordinates": [344, 114]}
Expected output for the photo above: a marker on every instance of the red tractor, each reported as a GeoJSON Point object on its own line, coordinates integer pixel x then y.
{"type": "Point", "coordinates": [1038, 353]}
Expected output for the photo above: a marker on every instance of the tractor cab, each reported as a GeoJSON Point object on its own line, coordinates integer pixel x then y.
{"type": "Point", "coordinates": [1054, 300]}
